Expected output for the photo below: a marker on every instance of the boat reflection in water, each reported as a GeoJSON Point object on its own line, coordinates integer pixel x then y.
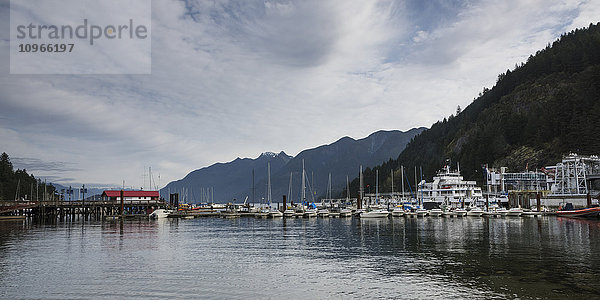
{"type": "Point", "coordinates": [416, 258]}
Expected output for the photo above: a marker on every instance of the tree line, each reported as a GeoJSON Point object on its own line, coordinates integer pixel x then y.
{"type": "Point", "coordinates": [19, 185]}
{"type": "Point", "coordinates": [534, 114]}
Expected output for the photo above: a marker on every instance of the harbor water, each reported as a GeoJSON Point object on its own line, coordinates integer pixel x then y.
{"type": "Point", "coordinates": [415, 258]}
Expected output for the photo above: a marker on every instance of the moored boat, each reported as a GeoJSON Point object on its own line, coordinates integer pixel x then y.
{"type": "Point", "coordinates": [288, 213]}
{"type": "Point", "coordinates": [310, 213]}
{"type": "Point", "coordinates": [435, 212]}
{"type": "Point", "coordinates": [475, 212]}
{"type": "Point", "coordinates": [514, 212]}
{"type": "Point", "coordinates": [398, 212]}
{"type": "Point", "coordinates": [459, 212]}
{"type": "Point", "coordinates": [345, 212]}
{"type": "Point", "coordinates": [323, 213]}
{"type": "Point", "coordinates": [569, 211]}
{"type": "Point", "coordinates": [379, 213]}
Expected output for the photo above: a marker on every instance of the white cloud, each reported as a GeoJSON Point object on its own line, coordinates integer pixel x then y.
{"type": "Point", "coordinates": [237, 78]}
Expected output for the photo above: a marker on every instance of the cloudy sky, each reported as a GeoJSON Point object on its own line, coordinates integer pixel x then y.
{"type": "Point", "coordinates": [236, 78]}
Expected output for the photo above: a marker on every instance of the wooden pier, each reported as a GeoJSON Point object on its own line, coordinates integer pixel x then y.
{"type": "Point", "coordinates": [75, 209]}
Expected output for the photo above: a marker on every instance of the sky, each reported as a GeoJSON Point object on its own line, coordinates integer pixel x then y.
{"type": "Point", "coordinates": [237, 78]}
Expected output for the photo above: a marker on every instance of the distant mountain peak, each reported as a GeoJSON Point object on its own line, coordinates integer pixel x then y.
{"type": "Point", "coordinates": [269, 154]}
{"type": "Point", "coordinates": [235, 179]}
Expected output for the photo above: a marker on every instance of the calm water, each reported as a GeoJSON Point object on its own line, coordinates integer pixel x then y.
{"type": "Point", "coordinates": [302, 258]}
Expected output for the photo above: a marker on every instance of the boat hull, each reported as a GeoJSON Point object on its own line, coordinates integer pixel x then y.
{"type": "Point", "coordinates": [592, 212]}
{"type": "Point", "coordinates": [375, 214]}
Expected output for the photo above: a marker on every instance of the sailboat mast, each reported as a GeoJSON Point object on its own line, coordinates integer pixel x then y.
{"type": "Point", "coordinates": [376, 186]}
{"type": "Point", "coordinates": [269, 183]}
{"type": "Point", "coordinates": [290, 189]}
{"type": "Point", "coordinates": [416, 185]}
{"type": "Point", "coordinates": [392, 182]}
{"type": "Point", "coordinates": [252, 187]}
{"type": "Point", "coordinates": [347, 189]}
{"type": "Point", "coordinates": [421, 171]}
{"type": "Point", "coordinates": [402, 177]}
{"type": "Point", "coordinates": [329, 188]}
{"type": "Point", "coordinates": [361, 190]}
{"type": "Point", "coordinates": [303, 183]}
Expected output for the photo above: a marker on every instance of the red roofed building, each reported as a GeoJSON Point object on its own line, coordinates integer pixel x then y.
{"type": "Point", "coordinates": [130, 195]}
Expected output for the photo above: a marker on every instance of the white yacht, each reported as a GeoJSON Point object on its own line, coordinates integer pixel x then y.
{"type": "Point", "coordinates": [435, 212]}
{"type": "Point", "coordinates": [398, 212]}
{"type": "Point", "coordinates": [448, 185]}
{"type": "Point", "coordinates": [459, 212]}
{"type": "Point", "coordinates": [502, 211]}
{"type": "Point", "coordinates": [515, 212]}
{"type": "Point", "coordinates": [421, 212]}
{"type": "Point", "coordinates": [288, 213]}
{"type": "Point", "coordinates": [378, 213]}
{"type": "Point", "coordinates": [475, 212]}
{"type": "Point", "coordinates": [323, 213]}
{"type": "Point", "coordinates": [345, 212]}
{"type": "Point", "coordinates": [310, 213]}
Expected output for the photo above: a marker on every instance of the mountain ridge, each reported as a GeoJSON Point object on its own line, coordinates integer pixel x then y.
{"type": "Point", "coordinates": [233, 179]}
{"type": "Point", "coordinates": [534, 114]}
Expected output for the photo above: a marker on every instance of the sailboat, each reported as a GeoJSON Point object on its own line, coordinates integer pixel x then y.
{"type": "Point", "coordinates": [344, 211]}
{"type": "Point", "coordinates": [474, 210]}
{"type": "Point", "coordinates": [324, 212]}
{"type": "Point", "coordinates": [288, 211]}
{"type": "Point", "coordinates": [375, 213]}
{"type": "Point", "coordinates": [273, 212]}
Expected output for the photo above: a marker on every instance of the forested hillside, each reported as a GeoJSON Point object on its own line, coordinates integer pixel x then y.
{"type": "Point", "coordinates": [536, 113]}
{"type": "Point", "coordinates": [20, 185]}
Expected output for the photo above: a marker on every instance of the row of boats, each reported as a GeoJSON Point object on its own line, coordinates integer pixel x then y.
{"type": "Point", "coordinates": [366, 213]}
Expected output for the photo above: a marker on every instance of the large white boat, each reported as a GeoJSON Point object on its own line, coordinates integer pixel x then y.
{"type": "Point", "coordinates": [450, 186]}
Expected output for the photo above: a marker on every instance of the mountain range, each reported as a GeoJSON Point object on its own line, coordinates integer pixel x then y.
{"type": "Point", "coordinates": [224, 182]}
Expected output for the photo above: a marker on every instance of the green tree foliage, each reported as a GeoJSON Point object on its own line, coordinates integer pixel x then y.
{"type": "Point", "coordinates": [28, 186]}
{"type": "Point", "coordinates": [535, 114]}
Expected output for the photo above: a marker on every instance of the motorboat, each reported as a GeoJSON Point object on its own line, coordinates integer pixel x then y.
{"type": "Point", "coordinates": [398, 212]}
{"type": "Point", "coordinates": [288, 213]}
{"type": "Point", "coordinates": [345, 212]}
{"type": "Point", "coordinates": [475, 212]}
{"type": "Point", "coordinates": [571, 212]}
{"type": "Point", "coordinates": [378, 213]}
{"type": "Point", "coordinates": [421, 212]}
{"type": "Point", "coordinates": [160, 213]}
{"type": "Point", "coordinates": [515, 212]}
{"type": "Point", "coordinates": [310, 213]}
{"type": "Point", "coordinates": [435, 212]}
{"type": "Point", "coordinates": [502, 211]}
{"type": "Point", "coordinates": [323, 213]}
{"type": "Point", "coordinates": [459, 212]}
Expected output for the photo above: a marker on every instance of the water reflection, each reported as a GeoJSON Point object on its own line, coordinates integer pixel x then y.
{"type": "Point", "coordinates": [339, 257]}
